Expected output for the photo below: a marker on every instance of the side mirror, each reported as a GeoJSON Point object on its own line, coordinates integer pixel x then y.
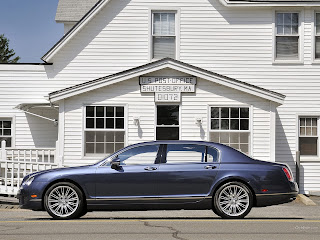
{"type": "Point", "coordinates": [115, 164]}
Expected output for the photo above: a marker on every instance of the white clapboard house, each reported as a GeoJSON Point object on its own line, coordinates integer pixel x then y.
{"type": "Point", "coordinates": [244, 73]}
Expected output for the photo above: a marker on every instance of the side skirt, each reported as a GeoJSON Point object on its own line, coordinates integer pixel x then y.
{"type": "Point", "coordinates": [138, 204]}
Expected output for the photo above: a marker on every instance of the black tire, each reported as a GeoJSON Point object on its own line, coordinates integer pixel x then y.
{"type": "Point", "coordinates": [215, 211]}
{"type": "Point", "coordinates": [63, 201]}
{"type": "Point", "coordinates": [232, 200]}
{"type": "Point", "coordinates": [84, 212]}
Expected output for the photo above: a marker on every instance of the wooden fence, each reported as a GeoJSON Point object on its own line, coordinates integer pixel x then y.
{"type": "Point", "coordinates": [17, 163]}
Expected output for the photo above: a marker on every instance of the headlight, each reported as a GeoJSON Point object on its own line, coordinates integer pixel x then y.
{"type": "Point", "coordinates": [29, 181]}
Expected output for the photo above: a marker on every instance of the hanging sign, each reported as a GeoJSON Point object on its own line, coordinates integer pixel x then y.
{"type": "Point", "coordinates": [167, 97]}
{"type": "Point", "coordinates": [167, 89]}
{"type": "Point", "coordinates": [168, 80]}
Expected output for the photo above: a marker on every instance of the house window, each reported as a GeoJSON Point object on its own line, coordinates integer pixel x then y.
{"type": "Point", "coordinates": [6, 131]}
{"type": "Point", "coordinates": [163, 35]}
{"type": "Point", "coordinates": [287, 36]}
{"type": "Point", "coordinates": [167, 122]}
{"type": "Point", "coordinates": [317, 36]}
{"type": "Point", "coordinates": [308, 136]}
{"type": "Point", "coordinates": [230, 126]}
{"type": "Point", "coordinates": [104, 129]}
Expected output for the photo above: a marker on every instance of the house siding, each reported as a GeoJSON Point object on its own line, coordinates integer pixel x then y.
{"type": "Point", "coordinates": [27, 84]}
{"type": "Point", "coordinates": [142, 104]}
{"type": "Point", "coordinates": [235, 42]}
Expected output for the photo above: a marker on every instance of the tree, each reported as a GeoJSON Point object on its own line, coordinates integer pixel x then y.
{"type": "Point", "coordinates": [6, 54]}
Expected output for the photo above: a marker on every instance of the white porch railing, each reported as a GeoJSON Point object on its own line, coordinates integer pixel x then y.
{"type": "Point", "coordinates": [17, 163]}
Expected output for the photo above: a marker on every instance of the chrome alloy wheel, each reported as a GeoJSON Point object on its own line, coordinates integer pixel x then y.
{"type": "Point", "coordinates": [233, 200]}
{"type": "Point", "coordinates": [63, 201]}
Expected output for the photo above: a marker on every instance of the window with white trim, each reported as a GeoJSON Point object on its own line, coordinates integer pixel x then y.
{"type": "Point", "coordinates": [287, 36]}
{"type": "Point", "coordinates": [317, 36]}
{"type": "Point", "coordinates": [308, 136]}
{"type": "Point", "coordinates": [104, 129]}
{"type": "Point", "coordinates": [163, 35]}
{"type": "Point", "coordinates": [6, 131]}
{"type": "Point", "coordinates": [230, 126]}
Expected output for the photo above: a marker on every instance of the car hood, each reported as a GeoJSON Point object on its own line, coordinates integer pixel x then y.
{"type": "Point", "coordinates": [40, 176]}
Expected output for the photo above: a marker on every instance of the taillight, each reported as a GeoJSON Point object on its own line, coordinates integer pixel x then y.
{"type": "Point", "coordinates": [288, 174]}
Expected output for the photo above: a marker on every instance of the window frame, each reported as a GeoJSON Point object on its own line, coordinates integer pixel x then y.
{"type": "Point", "coordinates": [160, 148]}
{"type": "Point", "coordinates": [250, 131]}
{"type": "Point", "coordinates": [3, 119]}
{"type": "Point", "coordinates": [12, 135]}
{"type": "Point", "coordinates": [308, 157]}
{"type": "Point", "coordinates": [314, 35]}
{"type": "Point", "coordinates": [107, 161]}
{"type": "Point", "coordinates": [177, 30]}
{"type": "Point", "coordinates": [156, 118]}
{"type": "Point", "coordinates": [299, 115]}
{"type": "Point", "coordinates": [84, 129]}
{"type": "Point", "coordinates": [165, 151]}
{"type": "Point", "coordinates": [300, 59]}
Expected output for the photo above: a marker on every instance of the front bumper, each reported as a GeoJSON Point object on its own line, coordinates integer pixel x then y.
{"type": "Point", "coordinates": [26, 202]}
{"type": "Point", "coordinates": [25, 199]}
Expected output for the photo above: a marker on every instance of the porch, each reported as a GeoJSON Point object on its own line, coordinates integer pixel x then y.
{"type": "Point", "coordinates": [17, 163]}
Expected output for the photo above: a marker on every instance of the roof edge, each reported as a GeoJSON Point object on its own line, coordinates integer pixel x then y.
{"type": "Point", "coordinates": [26, 63]}
{"type": "Point", "coordinates": [160, 64]}
{"type": "Point", "coordinates": [74, 30]}
{"type": "Point", "coordinates": [270, 3]}
{"type": "Point", "coordinates": [65, 21]}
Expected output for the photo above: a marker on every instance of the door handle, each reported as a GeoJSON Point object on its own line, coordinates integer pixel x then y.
{"type": "Point", "coordinates": [210, 167]}
{"type": "Point", "coordinates": [150, 168]}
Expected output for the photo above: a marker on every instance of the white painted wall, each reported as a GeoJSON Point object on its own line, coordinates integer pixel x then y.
{"type": "Point", "coordinates": [142, 104]}
{"type": "Point", "coordinates": [236, 42]}
{"type": "Point", "coordinates": [27, 84]}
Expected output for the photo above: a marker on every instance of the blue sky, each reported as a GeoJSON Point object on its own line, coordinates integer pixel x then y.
{"type": "Point", "coordinates": [30, 27]}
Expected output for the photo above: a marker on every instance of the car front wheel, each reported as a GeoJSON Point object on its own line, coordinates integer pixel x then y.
{"type": "Point", "coordinates": [64, 201]}
{"type": "Point", "coordinates": [233, 200]}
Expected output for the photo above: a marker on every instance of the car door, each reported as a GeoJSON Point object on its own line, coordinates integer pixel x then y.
{"type": "Point", "coordinates": [187, 172]}
{"type": "Point", "coordinates": [135, 178]}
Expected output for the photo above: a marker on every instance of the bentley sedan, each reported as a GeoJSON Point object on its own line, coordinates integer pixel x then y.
{"type": "Point", "coordinates": [162, 175]}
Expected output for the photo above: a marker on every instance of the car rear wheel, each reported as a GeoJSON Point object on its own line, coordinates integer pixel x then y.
{"type": "Point", "coordinates": [64, 201]}
{"type": "Point", "coordinates": [233, 200]}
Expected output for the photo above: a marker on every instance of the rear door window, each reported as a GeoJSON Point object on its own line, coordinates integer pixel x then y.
{"type": "Point", "coordinates": [185, 153]}
{"type": "Point", "coordinates": [212, 155]}
{"type": "Point", "coordinates": [190, 153]}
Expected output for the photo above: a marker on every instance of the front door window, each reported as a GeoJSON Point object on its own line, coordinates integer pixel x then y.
{"type": "Point", "coordinates": [145, 155]}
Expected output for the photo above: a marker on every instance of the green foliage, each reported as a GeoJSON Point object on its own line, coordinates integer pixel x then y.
{"type": "Point", "coordinates": [6, 54]}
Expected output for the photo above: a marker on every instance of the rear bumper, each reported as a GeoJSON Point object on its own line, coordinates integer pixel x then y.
{"type": "Point", "coordinates": [266, 199]}
{"type": "Point", "coordinates": [274, 199]}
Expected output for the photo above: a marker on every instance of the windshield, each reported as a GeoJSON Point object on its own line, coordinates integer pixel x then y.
{"type": "Point", "coordinates": [102, 159]}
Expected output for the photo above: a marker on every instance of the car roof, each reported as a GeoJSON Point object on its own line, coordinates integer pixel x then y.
{"type": "Point", "coordinates": [177, 142]}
